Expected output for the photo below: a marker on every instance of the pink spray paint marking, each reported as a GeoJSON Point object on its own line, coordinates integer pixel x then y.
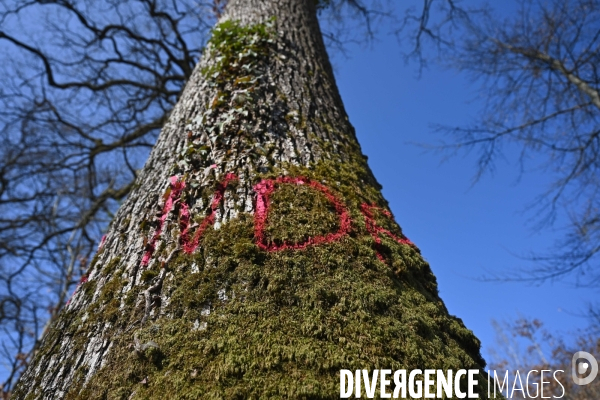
{"type": "Point", "coordinates": [176, 189]}
{"type": "Point", "coordinates": [266, 187]}
{"type": "Point", "coordinates": [101, 245]}
{"type": "Point", "coordinates": [377, 230]}
{"type": "Point", "coordinates": [189, 245]}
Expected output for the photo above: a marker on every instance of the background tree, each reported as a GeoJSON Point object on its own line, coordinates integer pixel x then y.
{"type": "Point", "coordinates": [538, 70]}
{"type": "Point", "coordinates": [86, 87]}
{"type": "Point", "coordinates": [524, 345]}
{"type": "Point", "coordinates": [541, 88]}
{"type": "Point", "coordinates": [202, 288]}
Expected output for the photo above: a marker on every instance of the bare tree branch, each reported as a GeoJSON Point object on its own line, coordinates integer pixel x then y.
{"type": "Point", "coordinates": [542, 93]}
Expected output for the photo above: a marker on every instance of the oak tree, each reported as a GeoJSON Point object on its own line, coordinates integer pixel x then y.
{"type": "Point", "coordinates": [254, 255]}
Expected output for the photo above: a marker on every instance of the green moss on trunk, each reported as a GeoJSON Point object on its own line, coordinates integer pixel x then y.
{"type": "Point", "coordinates": [245, 323]}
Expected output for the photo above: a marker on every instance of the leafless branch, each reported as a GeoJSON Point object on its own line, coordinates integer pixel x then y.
{"type": "Point", "coordinates": [541, 86]}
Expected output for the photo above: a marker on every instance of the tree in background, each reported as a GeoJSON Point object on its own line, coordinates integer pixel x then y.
{"type": "Point", "coordinates": [85, 88]}
{"type": "Point", "coordinates": [524, 345]}
{"type": "Point", "coordinates": [254, 255]}
{"type": "Point", "coordinates": [541, 85]}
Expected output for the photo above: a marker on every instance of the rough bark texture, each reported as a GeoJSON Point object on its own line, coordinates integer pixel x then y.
{"type": "Point", "coordinates": [256, 256]}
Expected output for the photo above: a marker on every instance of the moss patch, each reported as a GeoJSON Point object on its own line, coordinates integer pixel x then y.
{"type": "Point", "coordinates": [305, 209]}
{"type": "Point", "coordinates": [238, 50]}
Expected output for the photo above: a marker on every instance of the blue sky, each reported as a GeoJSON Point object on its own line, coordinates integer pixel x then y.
{"type": "Point", "coordinates": [463, 230]}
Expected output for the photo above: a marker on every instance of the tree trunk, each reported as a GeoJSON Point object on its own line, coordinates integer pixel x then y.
{"type": "Point", "coordinates": [256, 256]}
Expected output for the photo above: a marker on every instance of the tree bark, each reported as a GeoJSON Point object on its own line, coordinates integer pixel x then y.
{"type": "Point", "coordinates": [256, 256]}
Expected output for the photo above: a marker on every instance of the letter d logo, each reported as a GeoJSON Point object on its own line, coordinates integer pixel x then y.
{"type": "Point", "coordinates": [582, 367]}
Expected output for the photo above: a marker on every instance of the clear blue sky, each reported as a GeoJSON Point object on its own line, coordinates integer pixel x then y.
{"type": "Point", "coordinates": [462, 230]}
